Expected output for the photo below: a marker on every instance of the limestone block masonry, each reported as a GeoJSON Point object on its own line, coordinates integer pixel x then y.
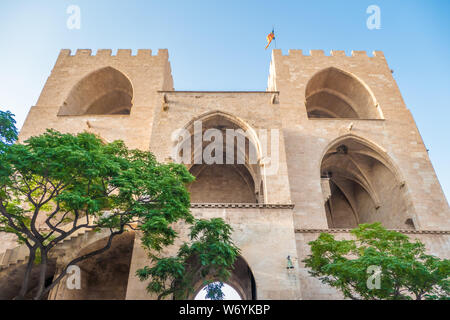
{"type": "Point", "coordinates": [348, 152]}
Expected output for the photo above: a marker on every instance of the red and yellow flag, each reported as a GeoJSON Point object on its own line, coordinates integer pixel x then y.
{"type": "Point", "coordinates": [270, 37]}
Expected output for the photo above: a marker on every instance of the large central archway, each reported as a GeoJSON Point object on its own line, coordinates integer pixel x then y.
{"type": "Point", "coordinates": [235, 175]}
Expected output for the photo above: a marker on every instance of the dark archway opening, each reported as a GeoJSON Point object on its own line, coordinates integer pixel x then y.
{"type": "Point", "coordinates": [234, 176]}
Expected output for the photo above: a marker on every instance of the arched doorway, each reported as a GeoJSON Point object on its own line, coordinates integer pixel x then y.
{"type": "Point", "coordinates": [361, 185]}
{"type": "Point", "coordinates": [333, 93]}
{"type": "Point", "coordinates": [241, 281]}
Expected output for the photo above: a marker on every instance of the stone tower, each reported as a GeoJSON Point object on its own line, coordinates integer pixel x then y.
{"type": "Point", "coordinates": [341, 149]}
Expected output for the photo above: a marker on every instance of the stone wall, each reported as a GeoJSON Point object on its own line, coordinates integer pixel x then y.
{"type": "Point", "coordinates": [221, 184]}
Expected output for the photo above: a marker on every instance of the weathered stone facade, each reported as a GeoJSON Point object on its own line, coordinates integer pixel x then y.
{"type": "Point", "coordinates": [348, 152]}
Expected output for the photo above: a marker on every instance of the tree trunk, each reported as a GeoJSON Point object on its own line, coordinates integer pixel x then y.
{"type": "Point", "coordinates": [42, 274]}
{"type": "Point", "coordinates": [26, 278]}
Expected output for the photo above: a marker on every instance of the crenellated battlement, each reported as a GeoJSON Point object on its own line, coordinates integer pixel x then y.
{"type": "Point", "coordinates": [333, 53]}
{"type": "Point", "coordinates": [288, 66]}
{"type": "Point", "coordinates": [106, 53]}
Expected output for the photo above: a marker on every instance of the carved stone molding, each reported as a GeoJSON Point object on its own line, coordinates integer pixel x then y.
{"type": "Point", "coordinates": [348, 231]}
{"type": "Point", "coordinates": [243, 205]}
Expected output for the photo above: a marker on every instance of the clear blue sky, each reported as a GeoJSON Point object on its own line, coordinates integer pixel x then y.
{"type": "Point", "coordinates": [219, 45]}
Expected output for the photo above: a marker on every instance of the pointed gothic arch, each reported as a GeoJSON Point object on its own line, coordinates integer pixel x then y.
{"type": "Point", "coordinates": [361, 184]}
{"type": "Point", "coordinates": [238, 178]}
{"type": "Point", "coordinates": [334, 93]}
{"type": "Point", "coordinates": [101, 92]}
{"type": "Point", "coordinates": [241, 280]}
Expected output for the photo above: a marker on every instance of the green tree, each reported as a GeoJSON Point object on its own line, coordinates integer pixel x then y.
{"type": "Point", "coordinates": [407, 272]}
{"type": "Point", "coordinates": [214, 291]}
{"type": "Point", "coordinates": [67, 182]}
{"type": "Point", "coordinates": [8, 130]}
{"type": "Point", "coordinates": [208, 257]}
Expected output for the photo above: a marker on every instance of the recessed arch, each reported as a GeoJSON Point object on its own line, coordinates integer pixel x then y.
{"type": "Point", "coordinates": [101, 92]}
{"type": "Point", "coordinates": [251, 133]}
{"type": "Point", "coordinates": [334, 93]}
{"type": "Point", "coordinates": [361, 184]}
{"type": "Point", "coordinates": [237, 179]}
{"type": "Point", "coordinates": [373, 150]}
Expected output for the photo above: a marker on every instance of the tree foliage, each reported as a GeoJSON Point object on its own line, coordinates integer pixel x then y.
{"type": "Point", "coordinates": [214, 291]}
{"type": "Point", "coordinates": [407, 272]}
{"type": "Point", "coordinates": [66, 182]}
{"type": "Point", "coordinates": [209, 257]}
{"type": "Point", "coordinates": [8, 130]}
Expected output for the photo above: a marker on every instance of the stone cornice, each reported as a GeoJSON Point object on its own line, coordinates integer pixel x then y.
{"type": "Point", "coordinates": [243, 205]}
{"type": "Point", "coordinates": [225, 92]}
{"type": "Point", "coordinates": [407, 231]}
